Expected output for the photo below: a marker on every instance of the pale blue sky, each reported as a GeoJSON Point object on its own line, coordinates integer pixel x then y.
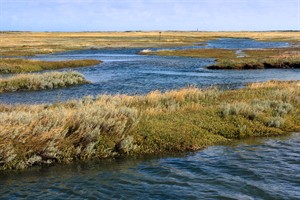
{"type": "Point", "coordinates": [123, 15]}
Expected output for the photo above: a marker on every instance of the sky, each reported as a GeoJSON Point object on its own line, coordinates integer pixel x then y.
{"type": "Point", "coordinates": [147, 15]}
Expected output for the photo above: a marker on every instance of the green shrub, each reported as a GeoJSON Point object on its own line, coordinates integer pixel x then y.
{"type": "Point", "coordinates": [276, 122]}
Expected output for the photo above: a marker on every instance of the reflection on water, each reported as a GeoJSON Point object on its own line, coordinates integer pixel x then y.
{"type": "Point", "coordinates": [123, 71]}
{"type": "Point", "coordinates": [252, 169]}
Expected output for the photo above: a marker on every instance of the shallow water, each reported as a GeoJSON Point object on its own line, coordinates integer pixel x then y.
{"type": "Point", "coordinates": [251, 169]}
{"type": "Point", "coordinates": [125, 72]}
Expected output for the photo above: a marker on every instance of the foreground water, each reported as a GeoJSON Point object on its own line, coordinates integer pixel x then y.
{"type": "Point", "coordinates": [251, 169]}
{"type": "Point", "coordinates": [123, 71]}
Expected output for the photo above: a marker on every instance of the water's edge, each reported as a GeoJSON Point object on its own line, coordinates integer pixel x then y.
{"type": "Point", "coordinates": [125, 72]}
{"type": "Point", "coordinates": [255, 168]}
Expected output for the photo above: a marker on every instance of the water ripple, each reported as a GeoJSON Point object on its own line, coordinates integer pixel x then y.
{"type": "Point", "coordinates": [125, 72]}
{"type": "Point", "coordinates": [260, 169]}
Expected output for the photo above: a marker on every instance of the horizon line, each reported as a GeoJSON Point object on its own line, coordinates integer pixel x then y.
{"type": "Point", "coordinates": [279, 30]}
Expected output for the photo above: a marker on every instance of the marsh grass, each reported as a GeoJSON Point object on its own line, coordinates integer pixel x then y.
{"type": "Point", "coordinates": [16, 65]}
{"type": "Point", "coordinates": [263, 58]}
{"type": "Point", "coordinates": [48, 80]}
{"type": "Point", "coordinates": [252, 63]}
{"type": "Point", "coordinates": [254, 59]}
{"type": "Point", "coordinates": [32, 43]}
{"type": "Point", "coordinates": [202, 53]}
{"type": "Point", "coordinates": [180, 120]}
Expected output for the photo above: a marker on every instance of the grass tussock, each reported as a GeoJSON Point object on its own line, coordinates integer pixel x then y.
{"type": "Point", "coordinates": [49, 80]}
{"type": "Point", "coordinates": [16, 65]}
{"type": "Point", "coordinates": [181, 120]}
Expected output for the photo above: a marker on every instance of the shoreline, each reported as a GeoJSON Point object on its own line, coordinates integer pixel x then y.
{"type": "Point", "coordinates": [42, 81]}
{"type": "Point", "coordinates": [108, 126]}
{"type": "Point", "coordinates": [146, 156]}
{"type": "Point", "coordinates": [38, 42]}
{"type": "Point", "coordinates": [19, 65]}
{"type": "Point", "coordinates": [228, 59]}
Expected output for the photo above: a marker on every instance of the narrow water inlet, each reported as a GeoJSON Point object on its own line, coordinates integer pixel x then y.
{"type": "Point", "coordinates": [125, 72]}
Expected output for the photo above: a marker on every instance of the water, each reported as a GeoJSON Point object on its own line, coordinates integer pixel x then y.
{"type": "Point", "coordinates": [251, 169]}
{"type": "Point", "coordinates": [125, 72]}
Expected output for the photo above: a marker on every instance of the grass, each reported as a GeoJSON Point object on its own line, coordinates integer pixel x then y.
{"type": "Point", "coordinates": [254, 59]}
{"type": "Point", "coordinates": [189, 119]}
{"type": "Point", "coordinates": [16, 65]}
{"type": "Point", "coordinates": [32, 43]}
{"type": "Point", "coordinates": [196, 53]}
{"type": "Point", "coordinates": [42, 81]}
{"type": "Point", "coordinates": [262, 59]}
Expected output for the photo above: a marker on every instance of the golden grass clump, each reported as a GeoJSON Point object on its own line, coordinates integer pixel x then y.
{"type": "Point", "coordinates": [61, 133]}
{"type": "Point", "coordinates": [48, 80]}
{"type": "Point", "coordinates": [179, 120]}
{"type": "Point", "coordinates": [17, 65]}
{"type": "Point", "coordinates": [275, 84]}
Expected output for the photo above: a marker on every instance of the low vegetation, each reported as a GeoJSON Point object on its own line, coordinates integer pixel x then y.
{"type": "Point", "coordinates": [262, 59]}
{"type": "Point", "coordinates": [196, 53]}
{"type": "Point", "coordinates": [16, 65]}
{"type": "Point", "coordinates": [32, 43]}
{"type": "Point", "coordinates": [108, 126]}
{"type": "Point", "coordinates": [42, 81]}
{"type": "Point", "coordinates": [252, 59]}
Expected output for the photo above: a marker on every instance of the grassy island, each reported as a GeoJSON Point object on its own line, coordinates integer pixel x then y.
{"type": "Point", "coordinates": [17, 65]}
{"type": "Point", "coordinates": [189, 119]}
{"type": "Point", "coordinates": [48, 80]}
{"type": "Point", "coordinates": [249, 59]}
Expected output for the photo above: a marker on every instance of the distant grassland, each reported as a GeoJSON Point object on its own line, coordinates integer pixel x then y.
{"type": "Point", "coordinates": [49, 80]}
{"type": "Point", "coordinates": [16, 65]}
{"type": "Point", "coordinates": [109, 126]}
{"type": "Point", "coordinates": [254, 59]}
{"type": "Point", "coordinates": [32, 43]}
{"type": "Point", "coordinates": [189, 119]}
